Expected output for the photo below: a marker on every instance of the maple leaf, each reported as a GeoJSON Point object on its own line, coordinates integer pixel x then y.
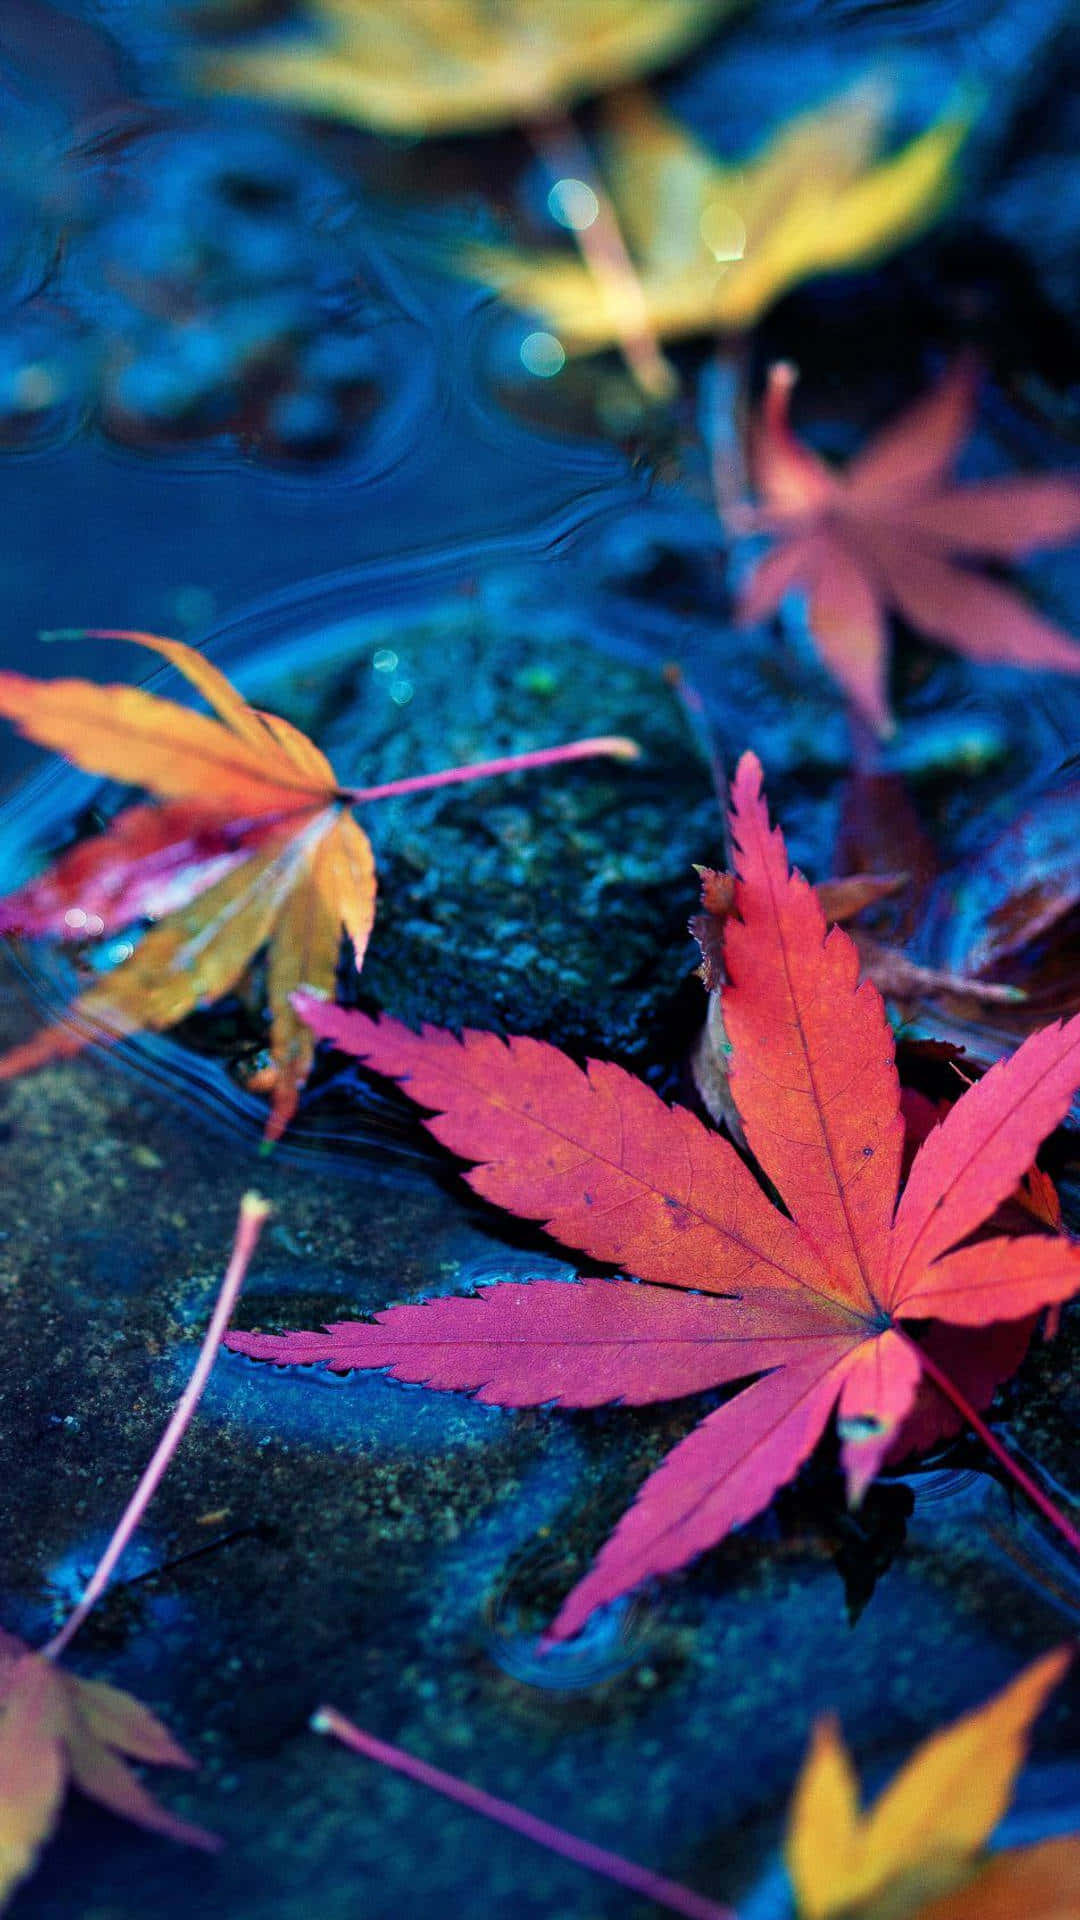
{"type": "Point", "coordinates": [715, 244]}
{"type": "Point", "coordinates": [926, 1832]}
{"type": "Point", "coordinates": [981, 1360]}
{"type": "Point", "coordinates": [919, 1852]}
{"type": "Point", "coordinates": [1027, 879]}
{"type": "Point", "coordinates": [57, 1730]}
{"type": "Point", "coordinates": [253, 847]}
{"type": "Point", "coordinates": [814, 1299]}
{"type": "Point", "coordinates": [1034, 1198]}
{"type": "Point", "coordinates": [894, 975]}
{"type": "Point", "coordinates": [881, 537]}
{"type": "Point", "coordinates": [441, 66]}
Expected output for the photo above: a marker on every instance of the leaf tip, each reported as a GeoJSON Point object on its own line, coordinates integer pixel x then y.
{"type": "Point", "coordinates": [749, 781]}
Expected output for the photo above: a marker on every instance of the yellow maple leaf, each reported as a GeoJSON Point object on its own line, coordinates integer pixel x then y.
{"type": "Point", "coordinates": [253, 847]}
{"type": "Point", "coordinates": [918, 1852]}
{"type": "Point", "coordinates": [441, 66]}
{"type": "Point", "coordinates": [714, 244]}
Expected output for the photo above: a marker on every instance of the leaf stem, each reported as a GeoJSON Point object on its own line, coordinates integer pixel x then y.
{"type": "Point", "coordinates": [559, 145]}
{"type": "Point", "coordinates": [626, 1873]}
{"type": "Point", "coordinates": [696, 716]}
{"type": "Point", "coordinates": [1023, 1480]}
{"type": "Point", "coordinates": [611, 746]}
{"type": "Point", "coordinates": [253, 1212]}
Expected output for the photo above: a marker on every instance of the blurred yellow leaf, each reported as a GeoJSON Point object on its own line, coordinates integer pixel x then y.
{"type": "Point", "coordinates": [923, 1838]}
{"type": "Point", "coordinates": [442, 66]}
{"type": "Point", "coordinates": [714, 244]}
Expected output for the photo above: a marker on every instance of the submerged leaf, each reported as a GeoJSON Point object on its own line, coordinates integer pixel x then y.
{"type": "Point", "coordinates": [878, 539]}
{"type": "Point", "coordinates": [1027, 880]}
{"type": "Point", "coordinates": [813, 1299]}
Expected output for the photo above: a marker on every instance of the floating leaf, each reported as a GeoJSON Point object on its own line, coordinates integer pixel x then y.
{"type": "Point", "coordinates": [881, 536]}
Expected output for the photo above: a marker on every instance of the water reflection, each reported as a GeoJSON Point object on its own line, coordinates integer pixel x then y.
{"type": "Point", "coordinates": [954, 1504]}
{"type": "Point", "coordinates": [614, 1639]}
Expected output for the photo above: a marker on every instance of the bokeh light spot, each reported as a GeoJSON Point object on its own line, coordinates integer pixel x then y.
{"type": "Point", "coordinates": [573, 204]}
{"type": "Point", "coordinates": [542, 354]}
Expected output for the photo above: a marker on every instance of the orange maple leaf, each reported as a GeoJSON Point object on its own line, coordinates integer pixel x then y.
{"type": "Point", "coordinates": [919, 1853]}
{"type": "Point", "coordinates": [423, 67]}
{"type": "Point", "coordinates": [881, 537]}
{"type": "Point", "coordinates": [924, 1839]}
{"type": "Point", "coordinates": [255, 846]}
{"type": "Point", "coordinates": [56, 1730]}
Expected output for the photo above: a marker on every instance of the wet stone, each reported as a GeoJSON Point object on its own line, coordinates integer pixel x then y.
{"type": "Point", "coordinates": [553, 903]}
{"type": "Point", "coordinates": [397, 1553]}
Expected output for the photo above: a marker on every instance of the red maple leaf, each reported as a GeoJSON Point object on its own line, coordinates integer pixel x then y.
{"type": "Point", "coordinates": [880, 536]}
{"type": "Point", "coordinates": [841, 901]}
{"type": "Point", "coordinates": [815, 1300]}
